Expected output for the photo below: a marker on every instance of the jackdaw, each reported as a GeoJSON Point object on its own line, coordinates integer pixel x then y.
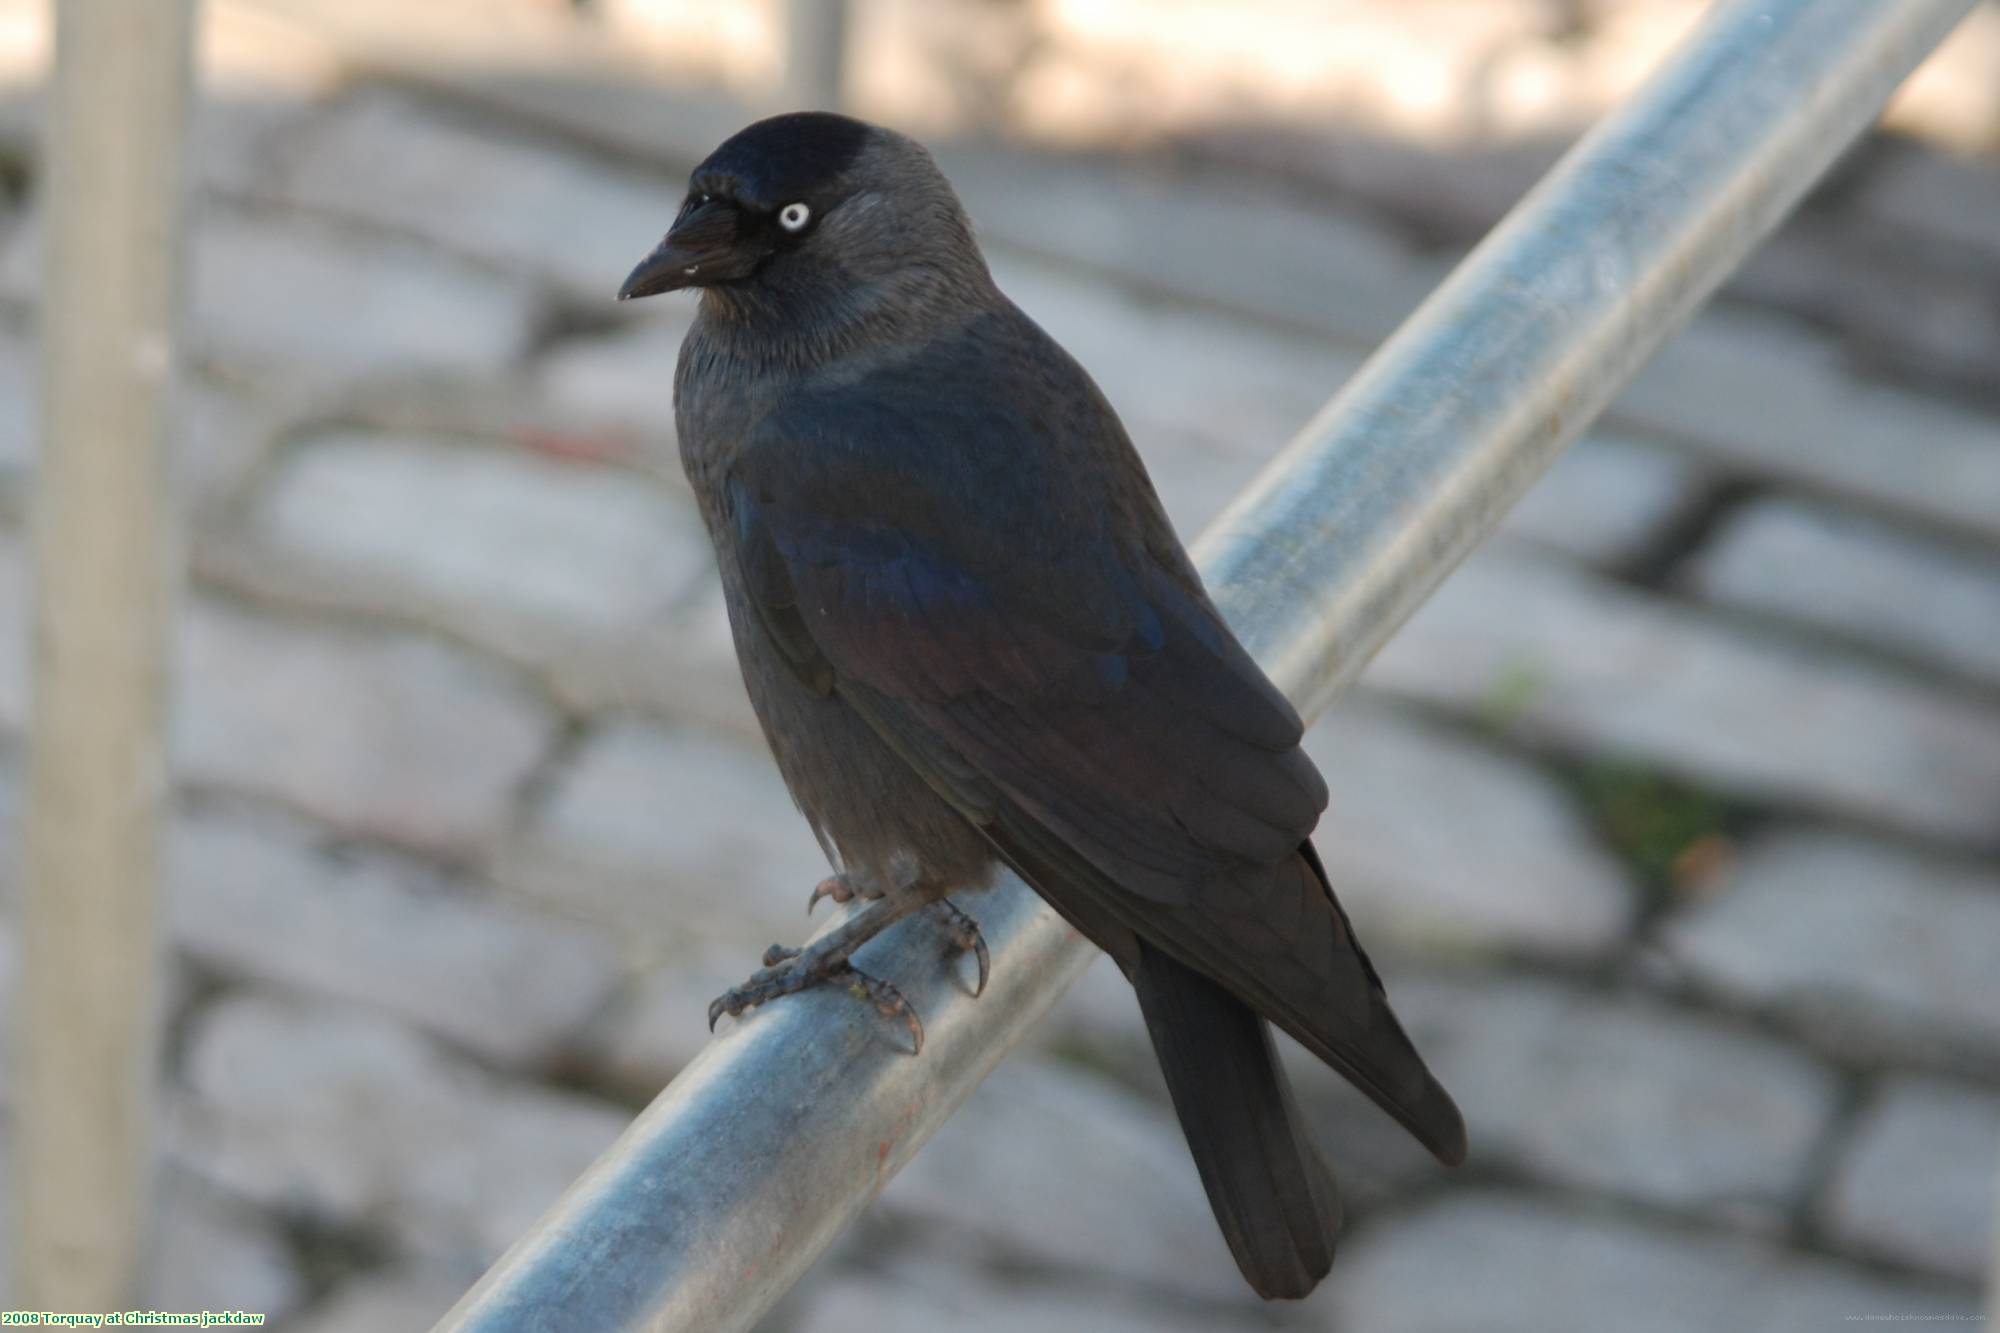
{"type": "Point", "coordinates": [973, 638]}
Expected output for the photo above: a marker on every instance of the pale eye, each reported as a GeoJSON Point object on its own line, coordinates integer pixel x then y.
{"type": "Point", "coordinates": [793, 217]}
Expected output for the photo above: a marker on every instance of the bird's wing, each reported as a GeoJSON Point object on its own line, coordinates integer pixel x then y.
{"type": "Point", "coordinates": [964, 588]}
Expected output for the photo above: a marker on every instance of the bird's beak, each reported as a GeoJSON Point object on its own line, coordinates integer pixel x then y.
{"type": "Point", "coordinates": [703, 247]}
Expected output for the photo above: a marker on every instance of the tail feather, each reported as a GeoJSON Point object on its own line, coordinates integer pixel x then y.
{"type": "Point", "coordinates": [1273, 1196]}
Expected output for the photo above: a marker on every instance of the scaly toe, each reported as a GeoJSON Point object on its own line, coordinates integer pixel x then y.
{"type": "Point", "coordinates": [768, 983]}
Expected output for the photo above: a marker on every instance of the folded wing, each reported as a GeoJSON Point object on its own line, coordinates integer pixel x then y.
{"type": "Point", "coordinates": [1068, 690]}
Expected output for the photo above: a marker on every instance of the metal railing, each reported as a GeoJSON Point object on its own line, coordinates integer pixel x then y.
{"type": "Point", "coordinates": [772, 1140]}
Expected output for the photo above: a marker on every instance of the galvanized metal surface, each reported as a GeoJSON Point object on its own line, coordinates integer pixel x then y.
{"type": "Point", "coordinates": [771, 1141]}
{"type": "Point", "coordinates": [106, 553]}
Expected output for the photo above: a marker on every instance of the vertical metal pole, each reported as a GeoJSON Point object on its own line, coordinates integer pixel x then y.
{"type": "Point", "coordinates": [815, 54]}
{"type": "Point", "coordinates": [107, 557]}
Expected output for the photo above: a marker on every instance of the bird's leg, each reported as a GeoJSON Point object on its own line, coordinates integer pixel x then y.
{"type": "Point", "coordinates": [965, 936]}
{"type": "Point", "coordinates": [788, 971]}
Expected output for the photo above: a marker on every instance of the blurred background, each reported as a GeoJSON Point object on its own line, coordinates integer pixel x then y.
{"type": "Point", "coordinates": [1673, 820]}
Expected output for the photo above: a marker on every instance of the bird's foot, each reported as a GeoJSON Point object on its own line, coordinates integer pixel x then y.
{"type": "Point", "coordinates": [825, 961]}
{"type": "Point", "coordinates": [966, 938]}
{"type": "Point", "coordinates": [783, 974]}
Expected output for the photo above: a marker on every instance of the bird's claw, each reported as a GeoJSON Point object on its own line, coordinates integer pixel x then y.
{"type": "Point", "coordinates": [967, 938]}
{"type": "Point", "coordinates": [835, 887]}
{"type": "Point", "coordinates": [768, 983]}
{"type": "Point", "coordinates": [888, 1002]}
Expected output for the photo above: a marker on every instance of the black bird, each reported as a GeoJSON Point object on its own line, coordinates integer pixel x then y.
{"type": "Point", "coordinates": [972, 638]}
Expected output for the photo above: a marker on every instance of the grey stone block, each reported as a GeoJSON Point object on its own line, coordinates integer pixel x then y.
{"type": "Point", "coordinates": [683, 666]}
{"type": "Point", "coordinates": [1765, 398]}
{"type": "Point", "coordinates": [1600, 669]}
{"type": "Point", "coordinates": [1919, 190]}
{"type": "Point", "coordinates": [1607, 501]}
{"type": "Point", "coordinates": [621, 385]}
{"type": "Point", "coordinates": [539, 207]}
{"type": "Point", "coordinates": [1435, 841]}
{"type": "Point", "coordinates": [1499, 1263]}
{"type": "Point", "coordinates": [404, 310]}
{"type": "Point", "coordinates": [1915, 1183]}
{"type": "Point", "coordinates": [349, 1119]}
{"type": "Point", "coordinates": [256, 898]}
{"type": "Point", "coordinates": [390, 735]}
{"type": "Point", "coordinates": [1049, 1166]}
{"type": "Point", "coordinates": [1839, 571]}
{"type": "Point", "coordinates": [306, 303]}
{"type": "Point", "coordinates": [1149, 225]}
{"type": "Point", "coordinates": [1861, 939]}
{"type": "Point", "coordinates": [673, 835]}
{"type": "Point", "coordinates": [650, 1033]}
{"type": "Point", "coordinates": [1900, 305]}
{"type": "Point", "coordinates": [543, 560]}
{"type": "Point", "coordinates": [1618, 1094]}
{"type": "Point", "coordinates": [1235, 384]}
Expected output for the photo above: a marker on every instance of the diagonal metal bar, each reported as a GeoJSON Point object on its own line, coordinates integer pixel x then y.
{"type": "Point", "coordinates": [756, 1156]}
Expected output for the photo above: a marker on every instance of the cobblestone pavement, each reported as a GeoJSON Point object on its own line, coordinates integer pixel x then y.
{"type": "Point", "coordinates": [1673, 817]}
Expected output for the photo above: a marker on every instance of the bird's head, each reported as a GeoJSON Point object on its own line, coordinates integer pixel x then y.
{"type": "Point", "coordinates": [810, 206]}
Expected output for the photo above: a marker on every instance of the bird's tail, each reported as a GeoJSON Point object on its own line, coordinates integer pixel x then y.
{"type": "Point", "coordinates": [1272, 1195]}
